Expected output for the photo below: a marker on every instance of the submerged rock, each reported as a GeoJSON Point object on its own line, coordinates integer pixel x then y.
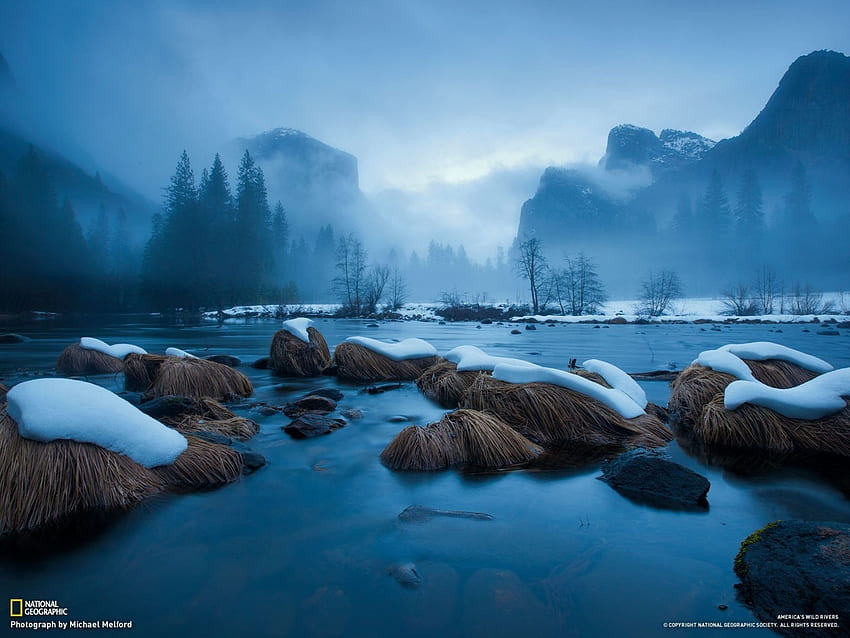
{"type": "Point", "coordinates": [420, 513]}
{"type": "Point", "coordinates": [312, 425]}
{"type": "Point", "coordinates": [169, 407]}
{"type": "Point", "coordinates": [516, 332]}
{"type": "Point", "coordinates": [331, 393]}
{"type": "Point", "coordinates": [225, 359]}
{"type": "Point", "coordinates": [11, 337]}
{"type": "Point", "coordinates": [406, 575]}
{"type": "Point", "coordinates": [310, 404]}
{"type": "Point", "coordinates": [798, 567]}
{"type": "Point", "coordinates": [262, 363]}
{"type": "Point", "coordinates": [650, 477]}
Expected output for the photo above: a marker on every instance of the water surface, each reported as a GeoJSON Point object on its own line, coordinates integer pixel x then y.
{"type": "Point", "coordinates": [304, 546]}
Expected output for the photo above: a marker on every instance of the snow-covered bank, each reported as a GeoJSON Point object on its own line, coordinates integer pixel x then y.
{"type": "Point", "coordinates": [696, 309]}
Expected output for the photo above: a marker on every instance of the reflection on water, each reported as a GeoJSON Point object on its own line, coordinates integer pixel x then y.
{"type": "Point", "coordinates": [309, 544]}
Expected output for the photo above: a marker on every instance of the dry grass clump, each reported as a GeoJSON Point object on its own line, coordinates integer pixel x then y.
{"type": "Point", "coordinates": [140, 370]}
{"type": "Point", "coordinates": [759, 428]}
{"type": "Point", "coordinates": [552, 415]}
{"type": "Point", "coordinates": [696, 386]}
{"type": "Point", "coordinates": [76, 360]}
{"type": "Point", "coordinates": [44, 483]}
{"type": "Point", "coordinates": [356, 363]}
{"type": "Point", "coordinates": [460, 437]}
{"type": "Point", "coordinates": [202, 465]}
{"type": "Point", "coordinates": [197, 378]}
{"type": "Point", "coordinates": [294, 358]}
{"type": "Point", "coordinates": [444, 384]}
{"type": "Point", "coordinates": [209, 415]}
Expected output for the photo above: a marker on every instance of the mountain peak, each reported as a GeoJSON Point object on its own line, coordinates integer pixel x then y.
{"type": "Point", "coordinates": [808, 110]}
{"type": "Point", "coordinates": [631, 146]}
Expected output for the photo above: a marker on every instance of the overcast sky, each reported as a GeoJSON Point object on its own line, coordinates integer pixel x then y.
{"type": "Point", "coordinates": [420, 92]}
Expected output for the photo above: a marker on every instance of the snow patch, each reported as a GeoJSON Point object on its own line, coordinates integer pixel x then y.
{"type": "Point", "coordinates": [298, 328]}
{"type": "Point", "coordinates": [615, 399]}
{"type": "Point", "coordinates": [812, 400]}
{"type": "Point", "coordinates": [724, 361]}
{"type": "Point", "coordinates": [617, 379]}
{"type": "Point", "coordinates": [51, 409]}
{"type": "Point", "coordinates": [761, 350]}
{"type": "Point", "coordinates": [177, 352]}
{"type": "Point", "coordinates": [472, 358]}
{"type": "Point", "coordinates": [408, 349]}
{"type": "Point", "coordinates": [119, 350]}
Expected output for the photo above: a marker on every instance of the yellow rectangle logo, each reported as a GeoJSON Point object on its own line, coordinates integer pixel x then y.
{"type": "Point", "coordinates": [16, 603]}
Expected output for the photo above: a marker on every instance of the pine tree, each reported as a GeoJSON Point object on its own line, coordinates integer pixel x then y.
{"type": "Point", "coordinates": [749, 218]}
{"type": "Point", "coordinates": [216, 233]}
{"type": "Point", "coordinates": [253, 245]}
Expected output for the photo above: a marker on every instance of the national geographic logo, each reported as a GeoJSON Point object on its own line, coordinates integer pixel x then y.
{"type": "Point", "coordinates": [18, 608]}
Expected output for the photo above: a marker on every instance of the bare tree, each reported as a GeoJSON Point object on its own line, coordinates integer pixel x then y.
{"type": "Point", "coordinates": [376, 282]}
{"type": "Point", "coordinates": [738, 301]}
{"type": "Point", "coordinates": [658, 291]}
{"type": "Point", "coordinates": [398, 290]}
{"type": "Point", "coordinates": [531, 266]}
{"type": "Point", "coordinates": [767, 289]}
{"type": "Point", "coordinates": [349, 284]}
{"type": "Point", "coordinates": [584, 290]}
{"type": "Point", "coordinates": [805, 300]}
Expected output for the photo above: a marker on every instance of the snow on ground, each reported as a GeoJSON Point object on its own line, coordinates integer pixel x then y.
{"type": "Point", "coordinates": [812, 400]}
{"type": "Point", "coordinates": [177, 352]}
{"type": "Point", "coordinates": [472, 358]}
{"type": "Point", "coordinates": [119, 350]}
{"type": "Point", "coordinates": [617, 379]}
{"type": "Point", "coordinates": [298, 328]}
{"type": "Point", "coordinates": [615, 399]}
{"type": "Point", "coordinates": [710, 309]}
{"type": "Point", "coordinates": [50, 409]}
{"type": "Point", "coordinates": [412, 348]}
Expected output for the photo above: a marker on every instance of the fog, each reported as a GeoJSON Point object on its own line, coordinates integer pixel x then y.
{"type": "Point", "coordinates": [452, 111]}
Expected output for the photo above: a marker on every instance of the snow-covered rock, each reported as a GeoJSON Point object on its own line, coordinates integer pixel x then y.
{"type": "Point", "coordinates": [51, 409]}
{"type": "Point", "coordinates": [298, 328]}
{"type": "Point", "coordinates": [408, 349]}
{"type": "Point", "coordinates": [119, 350]}
{"type": "Point", "coordinates": [471, 358]}
{"type": "Point", "coordinates": [617, 379]}
{"type": "Point", "coordinates": [617, 400]}
{"type": "Point", "coordinates": [812, 400]}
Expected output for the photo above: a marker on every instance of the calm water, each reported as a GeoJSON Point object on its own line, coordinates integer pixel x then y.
{"type": "Point", "coordinates": [303, 546]}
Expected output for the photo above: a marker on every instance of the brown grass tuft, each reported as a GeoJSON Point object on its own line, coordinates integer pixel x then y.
{"type": "Point", "coordinates": [696, 386]}
{"type": "Point", "coordinates": [551, 415]}
{"type": "Point", "coordinates": [444, 384]}
{"type": "Point", "coordinates": [460, 437]}
{"type": "Point", "coordinates": [356, 363]}
{"type": "Point", "coordinates": [757, 428]}
{"type": "Point", "coordinates": [202, 465]}
{"type": "Point", "coordinates": [197, 378]}
{"type": "Point", "coordinates": [76, 360]}
{"type": "Point", "coordinates": [44, 483]}
{"type": "Point", "coordinates": [293, 358]}
{"type": "Point", "coordinates": [211, 416]}
{"type": "Point", "coordinates": [140, 370]}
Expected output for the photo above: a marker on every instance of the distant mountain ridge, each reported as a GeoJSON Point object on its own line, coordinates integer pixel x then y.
{"type": "Point", "coordinates": [807, 119]}
{"type": "Point", "coordinates": [316, 183]}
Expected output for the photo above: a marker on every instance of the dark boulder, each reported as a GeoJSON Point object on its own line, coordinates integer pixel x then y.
{"type": "Point", "coordinates": [800, 568]}
{"type": "Point", "coordinates": [262, 363]}
{"type": "Point", "coordinates": [651, 478]}
{"type": "Point", "coordinates": [310, 404]}
{"type": "Point", "coordinates": [530, 326]}
{"type": "Point", "coordinates": [516, 332]}
{"type": "Point", "coordinates": [225, 359]}
{"type": "Point", "coordinates": [312, 425]}
{"type": "Point", "coordinates": [251, 461]}
{"type": "Point", "coordinates": [10, 337]}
